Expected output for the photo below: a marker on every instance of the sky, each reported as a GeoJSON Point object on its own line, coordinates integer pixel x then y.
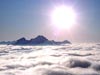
{"type": "Point", "coordinates": [30, 18]}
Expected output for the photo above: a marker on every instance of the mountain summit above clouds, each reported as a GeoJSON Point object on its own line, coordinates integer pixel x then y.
{"type": "Point", "coordinates": [39, 40]}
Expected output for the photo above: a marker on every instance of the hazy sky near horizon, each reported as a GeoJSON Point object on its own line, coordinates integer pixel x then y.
{"type": "Point", "coordinates": [29, 18]}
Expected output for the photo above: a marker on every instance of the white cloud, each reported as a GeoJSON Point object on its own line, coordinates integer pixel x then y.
{"type": "Point", "coordinates": [50, 60]}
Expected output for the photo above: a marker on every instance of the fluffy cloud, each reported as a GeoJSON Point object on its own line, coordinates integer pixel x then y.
{"type": "Point", "coordinates": [50, 60]}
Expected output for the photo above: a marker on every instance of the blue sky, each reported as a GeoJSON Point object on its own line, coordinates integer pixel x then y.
{"type": "Point", "coordinates": [29, 18]}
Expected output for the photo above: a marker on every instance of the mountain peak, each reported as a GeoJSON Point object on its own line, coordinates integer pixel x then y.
{"type": "Point", "coordinates": [22, 38]}
{"type": "Point", "coordinates": [41, 37]}
{"type": "Point", "coordinates": [21, 41]}
{"type": "Point", "coordinates": [39, 40]}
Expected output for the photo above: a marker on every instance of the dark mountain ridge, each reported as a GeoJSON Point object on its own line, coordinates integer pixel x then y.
{"type": "Point", "coordinates": [39, 40]}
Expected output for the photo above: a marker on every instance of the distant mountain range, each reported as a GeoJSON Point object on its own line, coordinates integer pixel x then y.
{"type": "Point", "coordinates": [39, 40]}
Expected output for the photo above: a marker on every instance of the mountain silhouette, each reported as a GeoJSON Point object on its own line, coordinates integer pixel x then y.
{"type": "Point", "coordinates": [39, 40]}
{"type": "Point", "coordinates": [21, 41]}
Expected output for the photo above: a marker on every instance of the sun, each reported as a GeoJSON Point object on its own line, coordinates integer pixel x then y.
{"type": "Point", "coordinates": [63, 17]}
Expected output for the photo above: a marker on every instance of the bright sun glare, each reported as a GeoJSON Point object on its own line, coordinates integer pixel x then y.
{"type": "Point", "coordinates": [63, 17]}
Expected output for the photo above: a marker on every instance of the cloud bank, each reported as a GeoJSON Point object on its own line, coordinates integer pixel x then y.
{"type": "Point", "coordinates": [72, 59]}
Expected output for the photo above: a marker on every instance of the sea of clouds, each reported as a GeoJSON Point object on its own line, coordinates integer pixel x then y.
{"type": "Point", "coordinates": [71, 59]}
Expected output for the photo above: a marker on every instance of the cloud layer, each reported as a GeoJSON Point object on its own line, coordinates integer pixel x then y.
{"type": "Point", "coordinates": [50, 60]}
